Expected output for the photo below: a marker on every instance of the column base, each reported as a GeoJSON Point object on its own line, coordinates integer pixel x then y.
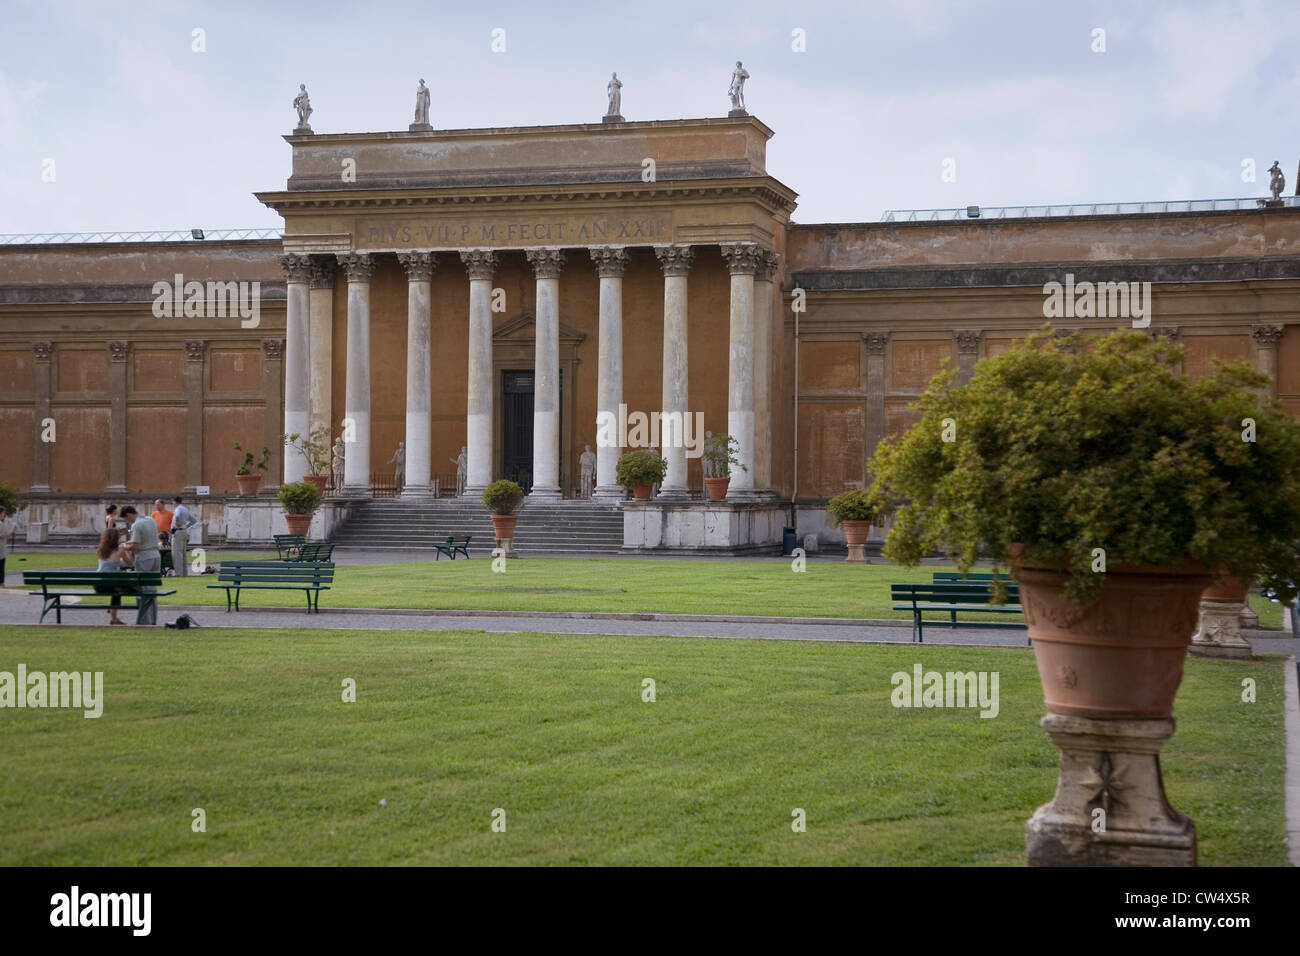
{"type": "Point", "coordinates": [615, 492]}
{"type": "Point", "coordinates": [547, 494]}
{"type": "Point", "coordinates": [742, 494]}
{"type": "Point", "coordinates": [1220, 632]}
{"type": "Point", "coordinates": [673, 494]}
{"type": "Point", "coordinates": [117, 489]}
{"type": "Point", "coordinates": [425, 492]}
{"type": "Point", "coordinates": [1110, 807]}
{"type": "Point", "coordinates": [357, 491]}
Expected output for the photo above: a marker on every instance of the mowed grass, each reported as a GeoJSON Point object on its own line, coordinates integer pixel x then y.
{"type": "Point", "coordinates": [765, 588]}
{"type": "Point", "coordinates": [249, 725]}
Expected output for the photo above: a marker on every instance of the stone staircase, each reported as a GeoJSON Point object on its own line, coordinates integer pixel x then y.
{"type": "Point", "coordinates": [557, 527]}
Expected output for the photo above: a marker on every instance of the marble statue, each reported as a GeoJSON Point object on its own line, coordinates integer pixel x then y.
{"type": "Point", "coordinates": [1276, 181]}
{"type": "Point", "coordinates": [421, 105]}
{"type": "Point", "coordinates": [615, 91]}
{"type": "Point", "coordinates": [338, 456]}
{"type": "Point", "coordinates": [737, 89]}
{"type": "Point", "coordinates": [461, 462]}
{"type": "Point", "coordinates": [398, 461]}
{"type": "Point", "coordinates": [587, 468]}
{"type": "Point", "coordinates": [303, 105]}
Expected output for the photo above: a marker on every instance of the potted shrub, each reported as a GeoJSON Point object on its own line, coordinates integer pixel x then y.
{"type": "Point", "coordinates": [315, 450]}
{"type": "Point", "coordinates": [720, 452]}
{"type": "Point", "coordinates": [640, 470]}
{"type": "Point", "coordinates": [300, 500]}
{"type": "Point", "coordinates": [857, 511]}
{"type": "Point", "coordinates": [248, 482]}
{"type": "Point", "coordinates": [1113, 485]}
{"type": "Point", "coordinates": [503, 498]}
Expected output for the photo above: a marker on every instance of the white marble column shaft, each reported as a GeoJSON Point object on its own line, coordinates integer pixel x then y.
{"type": "Point", "coordinates": [419, 275]}
{"type": "Point", "coordinates": [356, 406]}
{"type": "Point", "coordinates": [547, 264]}
{"type": "Point", "coordinates": [768, 264]}
{"type": "Point", "coordinates": [480, 264]}
{"type": "Point", "coordinates": [611, 263]}
{"type": "Point", "coordinates": [742, 261]}
{"type": "Point", "coordinates": [676, 261]}
{"type": "Point", "coordinates": [321, 346]}
{"type": "Point", "coordinates": [297, 360]}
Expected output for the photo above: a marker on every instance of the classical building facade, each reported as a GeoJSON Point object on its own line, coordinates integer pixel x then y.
{"type": "Point", "coordinates": [506, 290]}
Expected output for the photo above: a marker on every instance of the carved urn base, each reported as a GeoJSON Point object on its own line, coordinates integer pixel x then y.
{"type": "Point", "coordinates": [1220, 631]}
{"type": "Point", "coordinates": [1110, 807]}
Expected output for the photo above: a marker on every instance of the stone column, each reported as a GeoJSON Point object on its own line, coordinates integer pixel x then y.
{"type": "Point", "coordinates": [118, 352]}
{"type": "Point", "coordinates": [546, 390]}
{"type": "Point", "coordinates": [768, 262]}
{"type": "Point", "coordinates": [968, 350]}
{"type": "Point", "coordinates": [192, 377]}
{"type": "Point", "coordinates": [272, 395]}
{"type": "Point", "coordinates": [676, 261]}
{"type": "Point", "coordinates": [742, 261]}
{"type": "Point", "coordinates": [297, 361]}
{"type": "Point", "coordinates": [875, 343]}
{"type": "Point", "coordinates": [611, 263]}
{"type": "Point", "coordinates": [419, 276]}
{"type": "Point", "coordinates": [481, 264]}
{"type": "Point", "coordinates": [1266, 339]}
{"type": "Point", "coordinates": [356, 408]}
{"type": "Point", "coordinates": [41, 385]}
{"type": "Point", "coordinates": [321, 345]}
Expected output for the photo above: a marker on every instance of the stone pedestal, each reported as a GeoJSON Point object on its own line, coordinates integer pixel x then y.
{"type": "Point", "coordinates": [857, 554]}
{"type": "Point", "coordinates": [612, 118]}
{"type": "Point", "coordinates": [732, 114]}
{"type": "Point", "coordinates": [1249, 619]}
{"type": "Point", "coordinates": [1112, 766]}
{"type": "Point", "coordinates": [38, 532]}
{"type": "Point", "coordinates": [1220, 632]}
{"type": "Point", "coordinates": [507, 547]}
{"type": "Point", "coordinates": [727, 527]}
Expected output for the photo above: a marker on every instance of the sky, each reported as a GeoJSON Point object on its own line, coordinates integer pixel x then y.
{"type": "Point", "coordinates": [112, 118]}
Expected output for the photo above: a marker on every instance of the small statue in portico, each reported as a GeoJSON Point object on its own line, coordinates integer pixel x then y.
{"type": "Point", "coordinates": [461, 462]}
{"type": "Point", "coordinates": [587, 470]}
{"type": "Point", "coordinates": [398, 461]}
{"type": "Point", "coordinates": [421, 107]}
{"type": "Point", "coordinates": [339, 454]}
{"type": "Point", "coordinates": [737, 89]}
{"type": "Point", "coordinates": [615, 91]}
{"type": "Point", "coordinates": [302, 104]}
{"type": "Point", "coordinates": [1276, 181]}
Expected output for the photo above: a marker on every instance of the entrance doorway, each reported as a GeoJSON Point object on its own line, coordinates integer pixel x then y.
{"type": "Point", "coordinates": [517, 428]}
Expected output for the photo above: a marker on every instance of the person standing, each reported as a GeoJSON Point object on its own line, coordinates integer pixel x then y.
{"type": "Point", "coordinates": [143, 545]}
{"type": "Point", "coordinates": [182, 521]}
{"type": "Point", "coordinates": [113, 556]}
{"type": "Point", "coordinates": [8, 528]}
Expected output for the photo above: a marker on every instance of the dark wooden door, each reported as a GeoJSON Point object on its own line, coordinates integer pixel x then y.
{"type": "Point", "coordinates": [517, 428]}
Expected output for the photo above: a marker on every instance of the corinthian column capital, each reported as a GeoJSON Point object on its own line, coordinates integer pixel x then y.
{"type": "Point", "coordinates": [611, 261]}
{"type": "Point", "coordinates": [479, 263]}
{"type": "Point", "coordinates": [742, 257]}
{"type": "Point", "coordinates": [358, 265]}
{"type": "Point", "coordinates": [297, 268]}
{"type": "Point", "coordinates": [419, 266]}
{"type": "Point", "coordinates": [675, 260]}
{"type": "Point", "coordinates": [546, 263]}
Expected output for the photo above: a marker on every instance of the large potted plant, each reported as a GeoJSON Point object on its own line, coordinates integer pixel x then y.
{"type": "Point", "coordinates": [503, 498]}
{"type": "Point", "coordinates": [300, 500]}
{"type": "Point", "coordinates": [856, 511]}
{"type": "Point", "coordinates": [248, 481]}
{"type": "Point", "coordinates": [720, 453]}
{"type": "Point", "coordinates": [315, 450]}
{"type": "Point", "coordinates": [1113, 486]}
{"type": "Point", "coordinates": [640, 470]}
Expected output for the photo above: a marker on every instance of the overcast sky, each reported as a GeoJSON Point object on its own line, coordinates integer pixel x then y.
{"type": "Point", "coordinates": [146, 133]}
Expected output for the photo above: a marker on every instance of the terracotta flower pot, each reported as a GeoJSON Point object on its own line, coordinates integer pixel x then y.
{"type": "Point", "coordinates": [1229, 589]}
{"type": "Point", "coordinates": [855, 532]}
{"type": "Point", "coordinates": [717, 488]}
{"type": "Point", "coordinates": [298, 524]}
{"type": "Point", "coordinates": [318, 480]}
{"type": "Point", "coordinates": [248, 485]}
{"type": "Point", "coordinates": [642, 492]}
{"type": "Point", "coordinates": [503, 526]}
{"type": "Point", "coordinates": [1120, 656]}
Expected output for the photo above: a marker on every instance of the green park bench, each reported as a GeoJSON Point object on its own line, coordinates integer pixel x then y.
{"type": "Point", "coordinates": [287, 545]}
{"type": "Point", "coordinates": [953, 596]}
{"type": "Point", "coordinates": [54, 586]}
{"type": "Point", "coordinates": [453, 547]}
{"type": "Point", "coordinates": [315, 553]}
{"type": "Point", "coordinates": [310, 577]}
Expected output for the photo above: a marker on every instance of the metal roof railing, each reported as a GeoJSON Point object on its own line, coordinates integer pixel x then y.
{"type": "Point", "coordinates": [1080, 209]}
{"type": "Point", "coordinates": [176, 235]}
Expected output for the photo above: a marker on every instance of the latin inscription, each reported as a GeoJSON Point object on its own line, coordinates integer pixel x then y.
{"type": "Point", "coordinates": [631, 229]}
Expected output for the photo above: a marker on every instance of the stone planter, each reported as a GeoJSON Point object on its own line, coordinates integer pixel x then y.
{"type": "Point", "coordinates": [1230, 589]}
{"type": "Point", "coordinates": [642, 492]}
{"type": "Point", "coordinates": [855, 537]}
{"type": "Point", "coordinates": [298, 524]}
{"type": "Point", "coordinates": [320, 481]}
{"type": "Point", "coordinates": [1109, 673]}
{"type": "Point", "coordinates": [717, 488]}
{"type": "Point", "coordinates": [248, 485]}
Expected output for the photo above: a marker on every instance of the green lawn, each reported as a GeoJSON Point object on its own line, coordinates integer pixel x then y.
{"type": "Point", "coordinates": [620, 585]}
{"type": "Point", "coordinates": [250, 726]}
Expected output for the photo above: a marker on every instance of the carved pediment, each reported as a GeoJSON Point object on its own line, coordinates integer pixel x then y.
{"type": "Point", "coordinates": [523, 328]}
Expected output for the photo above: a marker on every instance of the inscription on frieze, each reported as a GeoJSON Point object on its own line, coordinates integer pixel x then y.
{"type": "Point", "coordinates": [540, 229]}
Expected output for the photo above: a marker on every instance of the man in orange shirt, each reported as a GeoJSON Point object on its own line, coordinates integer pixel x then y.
{"type": "Point", "coordinates": [161, 516]}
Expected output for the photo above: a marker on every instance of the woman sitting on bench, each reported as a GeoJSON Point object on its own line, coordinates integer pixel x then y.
{"type": "Point", "coordinates": [112, 557]}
